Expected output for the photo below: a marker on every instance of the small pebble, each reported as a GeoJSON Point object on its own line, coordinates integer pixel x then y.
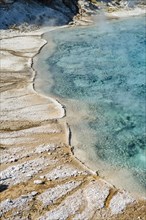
{"type": "Point", "coordinates": [29, 175]}
{"type": "Point", "coordinates": [34, 193]}
{"type": "Point", "coordinates": [56, 178]}
{"type": "Point", "coordinates": [10, 201]}
{"type": "Point", "coordinates": [42, 177]}
{"type": "Point", "coordinates": [24, 196]}
{"type": "Point", "coordinates": [38, 182]}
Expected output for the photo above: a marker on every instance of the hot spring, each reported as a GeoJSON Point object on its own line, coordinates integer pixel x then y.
{"type": "Point", "coordinates": [98, 73]}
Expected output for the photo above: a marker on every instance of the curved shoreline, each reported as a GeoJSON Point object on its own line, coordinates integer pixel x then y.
{"type": "Point", "coordinates": [79, 153]}
{"type": "Point", "coordinates": [68, 129]}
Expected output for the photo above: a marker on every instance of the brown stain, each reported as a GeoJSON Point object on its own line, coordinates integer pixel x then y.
{"type": "Point", "coordinates": [112, 192]}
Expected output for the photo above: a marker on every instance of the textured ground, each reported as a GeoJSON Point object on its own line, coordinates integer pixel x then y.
{"type": "Point", "coordinates": [40, 178]}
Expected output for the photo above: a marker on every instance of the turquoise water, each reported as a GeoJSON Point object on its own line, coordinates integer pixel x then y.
{"type": "Point", "coordinates": [98, 72]}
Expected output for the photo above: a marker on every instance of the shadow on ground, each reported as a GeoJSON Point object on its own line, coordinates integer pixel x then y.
{"type": "Point", "coordinates": [36, 13]}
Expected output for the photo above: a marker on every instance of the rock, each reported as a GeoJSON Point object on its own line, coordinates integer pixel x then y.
{"type": "Point", "coordinates": [20, 203]}
{"type": "Point", "coordinates": [34, 193]}
{"type": "Point", "coordinates": [32, 12]}
{"type": "Point", "coordinates": [119, 202]}
{"type": "Point", "coordinates": [37, 182]}
{"type": "Point", "coordinates": [53, 194]}
{"type": "Point", "coordinates": [29, 175]}
{"type": "Point", "coordinates": [42, 177]}
{"type": "Point", "coordinates": [24, 196]}
{"type": "Point", "coordinates": [64, 172]}
{"type": "Point", "coordinates": [24, 171]}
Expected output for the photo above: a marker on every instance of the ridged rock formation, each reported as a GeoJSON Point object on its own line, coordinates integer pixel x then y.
{"type": "Point", "coordinates": [45, 12]}
{"type": "Point", "coordinates": [53, 12]}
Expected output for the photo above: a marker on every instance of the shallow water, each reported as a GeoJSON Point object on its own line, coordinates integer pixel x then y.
{"type": "Point", "coordinates": [98, 73]}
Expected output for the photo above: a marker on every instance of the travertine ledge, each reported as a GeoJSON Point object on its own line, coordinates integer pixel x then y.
{"type": "Point", "coordinates": [40, 178]}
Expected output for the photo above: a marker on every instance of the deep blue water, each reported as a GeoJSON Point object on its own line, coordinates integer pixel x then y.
{"type": "Point", "coordinates": [102, 69]}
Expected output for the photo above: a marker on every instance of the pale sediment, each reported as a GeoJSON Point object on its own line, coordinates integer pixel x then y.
{"type": "Point", "coordinates": [126, 13]}
{"type": "Point", "coordinates": [36, 157]}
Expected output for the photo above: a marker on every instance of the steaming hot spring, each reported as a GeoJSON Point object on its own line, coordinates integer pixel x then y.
{"type": "Point", "coordinates": [98, 73]}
